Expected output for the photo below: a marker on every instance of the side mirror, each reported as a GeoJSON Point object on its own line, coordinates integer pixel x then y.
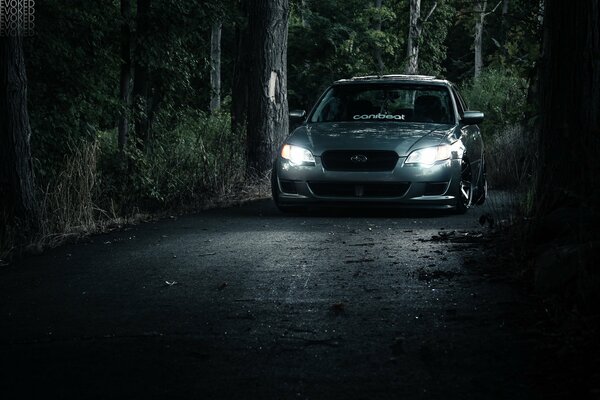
{"type": "Point", "coordinates": [297, 114]}
{"type": "Point", "coordinates": [472, 117]}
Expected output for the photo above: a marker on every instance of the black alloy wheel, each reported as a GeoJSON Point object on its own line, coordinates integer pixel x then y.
{"type": "Point", "coordinates": [465, 195]}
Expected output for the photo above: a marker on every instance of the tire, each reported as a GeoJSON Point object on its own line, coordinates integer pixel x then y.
{"type": "Point", "coordinates": [482, 187]}
{"type": "Point", "coordinates": [482, 192]}
{"type": "Point", "coordinates": [464, 198]}
{"type": "Point", "coordinates": [275, 194]}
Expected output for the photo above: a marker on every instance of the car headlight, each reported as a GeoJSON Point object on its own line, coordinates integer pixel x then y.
{"type": "Point", "coordinates": [297, 155]}
{"type": "Point", "coordinates": [430, 155]}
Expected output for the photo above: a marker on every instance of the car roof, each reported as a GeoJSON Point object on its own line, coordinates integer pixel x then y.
{"type": "Point", "coordinates": [393, 79]}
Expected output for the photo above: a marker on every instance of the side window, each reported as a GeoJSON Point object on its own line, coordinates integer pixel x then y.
{"type": "Point", "coordinates": [462, 101]}
{"type": "Point", "coordinates": [460, 104]}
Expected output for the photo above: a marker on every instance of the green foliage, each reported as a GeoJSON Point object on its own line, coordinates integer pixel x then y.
{"type": "Point", "coordinates": [196, 158]}
{"type": "Point", "coordinates": [433, 48]}
{"type": "Point", "coordinates": [72, 66]}
{"type": "Point", "coordinates": [501, 94]}
{"type": "Point", "coordinates": [329, 42]}
{"type": "Point", "coordinates": [510, 40]}
{"type": "Point", "coordinates": [514, 42]}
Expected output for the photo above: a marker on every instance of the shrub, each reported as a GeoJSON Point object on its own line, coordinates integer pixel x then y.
{"type": "Point", "coordinates": [509, 159]}
{"type": "Point", "coordinates": [192, 160]}
{"type": "Point", "coordinates": [501, 94]}
{"type": "Point", "coordinates": [195, 156]}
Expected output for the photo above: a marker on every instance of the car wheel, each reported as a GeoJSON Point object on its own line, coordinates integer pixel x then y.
{"type": "Point", "coordinates": [482, 191]}
{"type": "Point", "coordinates": [465, 190]}
{"type": "Point", "coordinates": [275, 194]}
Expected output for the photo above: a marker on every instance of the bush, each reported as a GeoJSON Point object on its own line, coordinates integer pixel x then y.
{"type": "Point", "coordinates": [195, 156]}
{"type": "Point", "coordinates": [193, 160]}
{"type": "Point", "coordinates": [509, 159]}
{"type": "Point", "coordinates": [68, 202]}
{"type": "Point", "coordinates": [501, 94]}
{"type": "Point", "coordinates": [200, 157]}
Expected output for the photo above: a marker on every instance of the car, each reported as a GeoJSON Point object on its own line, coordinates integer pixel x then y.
{"type": "Point", "coordinates": [391, 140]}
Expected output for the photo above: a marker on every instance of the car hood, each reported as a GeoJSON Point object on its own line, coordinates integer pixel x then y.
{"type": "Point", "coordinates": [399, 137]}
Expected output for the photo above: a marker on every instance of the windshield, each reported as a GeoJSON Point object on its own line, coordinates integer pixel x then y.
{"type": "Point", "coordinates": [385, 102]}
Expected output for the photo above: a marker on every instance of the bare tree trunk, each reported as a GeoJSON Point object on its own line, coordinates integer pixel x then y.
{"type": "Point", "coordinates": [569, 139]}
{"type": "Point", "coordinates": [480, 8]}
{"type": "Point", "coordinates": [215, 67]}
{"type": "Point", "coordinates": [125, 79]}
{"type": "Point", "coordinates": [141, 77]}
{"type": "Point", "coordinates": [414, 32]}
{"type": "Point", "coordinates": [268, 111]}
{"type": "Point", "coordinates": [239, 86]}
{"type": "Point", "coordinates": [378, 55]}
{"type": "Point", "coordinates": [16, 170]}
{"type": "Point", "coordinates": [504, 26]}
{"type": "Point", "coordinates": [303, 8]}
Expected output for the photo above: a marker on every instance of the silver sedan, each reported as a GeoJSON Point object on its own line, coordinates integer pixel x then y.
{"type": "Point", "coordinates": [398, 140]}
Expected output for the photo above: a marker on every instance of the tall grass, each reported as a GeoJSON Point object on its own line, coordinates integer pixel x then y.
{"type": "Point", "coordinates": [193, 161]}
{"type": "Point", "coordinates": [510, 158]}
{"type": "Point", "coordinates": [68, 203]}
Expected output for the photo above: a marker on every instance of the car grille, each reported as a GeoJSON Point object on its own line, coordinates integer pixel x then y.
{"type": "Point", "coordinates": [357, 189]}
{"type": "Point", "coordinates": [288, 187]}
{"type": "Point", "coordinates": [435, 188]}
{"type": "Point", "coordinates": [359, 160]}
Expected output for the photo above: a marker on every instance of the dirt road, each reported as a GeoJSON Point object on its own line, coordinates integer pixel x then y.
{"type": "Point", "coordinates": [248, 303]}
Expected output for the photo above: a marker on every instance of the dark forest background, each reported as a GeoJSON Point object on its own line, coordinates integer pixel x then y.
{"type": "Point", "coordinates": [120, 92]}
{"type": "Point", "coordinates": [117, 109]}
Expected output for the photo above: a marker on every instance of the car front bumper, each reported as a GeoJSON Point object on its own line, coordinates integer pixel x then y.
{"type": "Point", "coordinates": [407, 185]}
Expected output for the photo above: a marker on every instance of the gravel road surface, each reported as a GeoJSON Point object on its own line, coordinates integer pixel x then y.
{"type": "Point", "coordinates": [248, 303]}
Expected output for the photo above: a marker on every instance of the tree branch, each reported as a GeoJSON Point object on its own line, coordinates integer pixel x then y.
{"type": "Point", "coordinates": [494, 10]}
{"type": "Point", "coordinates": [431, 11]}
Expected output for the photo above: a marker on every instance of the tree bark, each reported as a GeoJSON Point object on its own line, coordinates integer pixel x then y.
{"type": "Point", "coordinates": [504, 27]}
{"type": "Point", "coordinates": [141, 77]}
{"type": "Point", "coordinates": [569, 138]}
{"type": "Point", "coordinates": [215, 67]}
{"type": "Point", "coordinates": [16, 170]}
{"type": "Point", "coordinates": [268, 122]}
{"type": "Point", "coordinates": [125, 78]}
{"type": "Point", "coordinates": [239, 89]}
{"type": "Point", "coordinates": [505, 7]}
{"type": "Point", "coordinates": [414, 33]}
{"type": "Point", "coordinates": [480, 8]}
{"type": "Point", "coordinates": [378, 55]}
{"type": "Point", "coordinates": [303, 8]}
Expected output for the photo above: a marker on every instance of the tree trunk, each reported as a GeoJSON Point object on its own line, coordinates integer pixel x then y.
{"type": "Point", "coordinates": [16, 171]}
{"type": "Point", "coordinates": [125, 79]}
{"type": "Point", "coordinates": [303, 8]}
{"type": "Point", "coordinates": [480, 8]}
{"type": "Point", "coordinates": [504, 27]}
{"type": "Point", "coordinates": [505, 7]}
{"type": "Point", "coordinates": [569, 139]}
{"type": "Point", "coordinates": [378, 55]}
{"type": "Point", "coordinates": [141, 77]}
{"type": "Point", "coordinates": [215, 67]}
{"type": "Point", "coordinates": [414, 33]}
{"type": "Point", "coordinates": [268, 122]}
{"type": "Point", "coordinates": [239, 86]}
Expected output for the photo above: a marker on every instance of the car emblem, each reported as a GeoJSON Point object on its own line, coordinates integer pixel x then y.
{"type": "Point", "coordinates": [359, 158]}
